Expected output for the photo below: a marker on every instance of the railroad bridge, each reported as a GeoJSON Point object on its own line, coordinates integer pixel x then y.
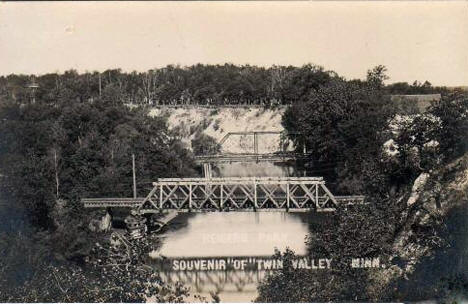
{"type": "Point", "coordinates": [256, 194]}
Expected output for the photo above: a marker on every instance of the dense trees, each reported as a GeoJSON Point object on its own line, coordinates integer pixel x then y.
{"type": "Point", "coordinates": [416, 87]}
{"type": "Point", "coordinates": [342, 126]}
{"type": "Point", "coordinates": [82, 149]}
{"type": "Point", "coordinates": [453, 134]}
{"type": "Point", "coordinates": [197, 84]}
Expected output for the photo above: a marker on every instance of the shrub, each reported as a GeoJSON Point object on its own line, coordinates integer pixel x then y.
{"type": "Point", "coordinates": [204, 144]}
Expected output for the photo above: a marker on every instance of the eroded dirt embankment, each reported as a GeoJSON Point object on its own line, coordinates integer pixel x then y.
{"type": "Point", "coordinates": [217, 122]}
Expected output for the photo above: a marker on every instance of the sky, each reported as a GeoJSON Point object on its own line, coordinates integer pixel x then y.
{"type": "Point", "coordinates": [414, 40]}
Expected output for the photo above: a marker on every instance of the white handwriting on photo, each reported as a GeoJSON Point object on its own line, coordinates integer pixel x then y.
{"type": "Point", "coordinates": [235, 237]}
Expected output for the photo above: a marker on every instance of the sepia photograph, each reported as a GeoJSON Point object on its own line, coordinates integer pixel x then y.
{"type": "Point", "coordinates": [234, 151]}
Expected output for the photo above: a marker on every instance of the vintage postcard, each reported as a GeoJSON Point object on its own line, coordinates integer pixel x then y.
{"type": "Point", "coordinates": [234, 151]}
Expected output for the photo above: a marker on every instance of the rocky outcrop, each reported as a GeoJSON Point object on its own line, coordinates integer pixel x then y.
{"type": "Point", "coordinates": [104, 223]}
{"type": "Point", "coordinates": [417, 189]}
{"type": "Point", "coordinates": [433, 195]}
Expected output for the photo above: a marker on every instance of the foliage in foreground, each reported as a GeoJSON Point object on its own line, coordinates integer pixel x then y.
{"type": "Point", "coordinates": [439, 276]}
{"type": "Point", "coordinates": [351, 233]}
{"type": "Point", "coordinates": [37, 276]}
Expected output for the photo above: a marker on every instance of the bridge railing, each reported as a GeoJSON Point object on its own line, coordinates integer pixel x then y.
{"type": "Point", "coordinates": [283, 140]}
{"type": "Point", "coordinates": [112, 202]}
{"type": "Point", "coordinates": [228, 180]}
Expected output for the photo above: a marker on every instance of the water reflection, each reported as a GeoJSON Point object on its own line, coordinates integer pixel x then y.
{"type": "Point", "coordinates": [236, 234]}
{"type": "Point", "coordinates": [227, 235]}
{"type": "Point", "coordinates": [219, 282]}
{"type": "Point", "coordinates": [250, 169]}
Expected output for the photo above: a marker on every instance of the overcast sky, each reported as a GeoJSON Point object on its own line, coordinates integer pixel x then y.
{"type": "Point", "coordinates": [415, 40]}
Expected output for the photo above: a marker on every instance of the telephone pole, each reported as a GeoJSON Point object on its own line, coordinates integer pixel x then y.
{"type": "Point", "coordinates": [134, 177]}
{"type": "Point", "coordinates": [100, 85]}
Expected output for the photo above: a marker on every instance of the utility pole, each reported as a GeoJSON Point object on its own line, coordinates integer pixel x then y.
{"type": "Point", "coordinates": [57, 194]}
{"type": "Point", "coordinates": [134, 177]}
{"type": "Point", "coordinates": [100, 86]}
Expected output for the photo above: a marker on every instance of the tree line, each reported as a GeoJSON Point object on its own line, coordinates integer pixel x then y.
{"type": "Point", "coordinates": [199, 84]}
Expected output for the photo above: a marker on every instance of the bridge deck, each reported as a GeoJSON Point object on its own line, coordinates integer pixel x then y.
{"type": "Point", "coordinates": [112, 202]}
{"type": "Point", "coordinates": [251, 157]}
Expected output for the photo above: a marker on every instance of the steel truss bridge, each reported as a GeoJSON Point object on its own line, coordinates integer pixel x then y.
{"type": "Point", "coordinates": [280, 156]}
{"type": "Point", "coordinates": [257, 194]}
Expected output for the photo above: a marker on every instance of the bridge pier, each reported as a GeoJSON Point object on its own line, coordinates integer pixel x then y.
{"type": "Point", "coordinates": [160, 222]}
{"type": "Point", "coordinates": [207, 170]}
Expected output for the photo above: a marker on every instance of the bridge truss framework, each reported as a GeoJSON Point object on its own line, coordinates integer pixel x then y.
{"type": "Point", "coordinates": [291, 194]}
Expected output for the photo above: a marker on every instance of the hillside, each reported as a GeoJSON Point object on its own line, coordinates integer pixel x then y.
{"type": "Point", "coordinates": [190, 122]}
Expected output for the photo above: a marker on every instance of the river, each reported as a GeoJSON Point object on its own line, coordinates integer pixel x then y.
{"type": "Point", "coordinates": [225, 235]}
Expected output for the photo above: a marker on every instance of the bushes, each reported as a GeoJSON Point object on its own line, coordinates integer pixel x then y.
{"type": "Point", "coordinates": [35, 276]}
{"type": "Point", "coordinates": [453, 135]}
{"type": "Point", "coordinates": [424, 142]}
{"type": "Point", "coordinates": [413, 147]}
{"type": "Point", "coordinates": [204, 144]}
